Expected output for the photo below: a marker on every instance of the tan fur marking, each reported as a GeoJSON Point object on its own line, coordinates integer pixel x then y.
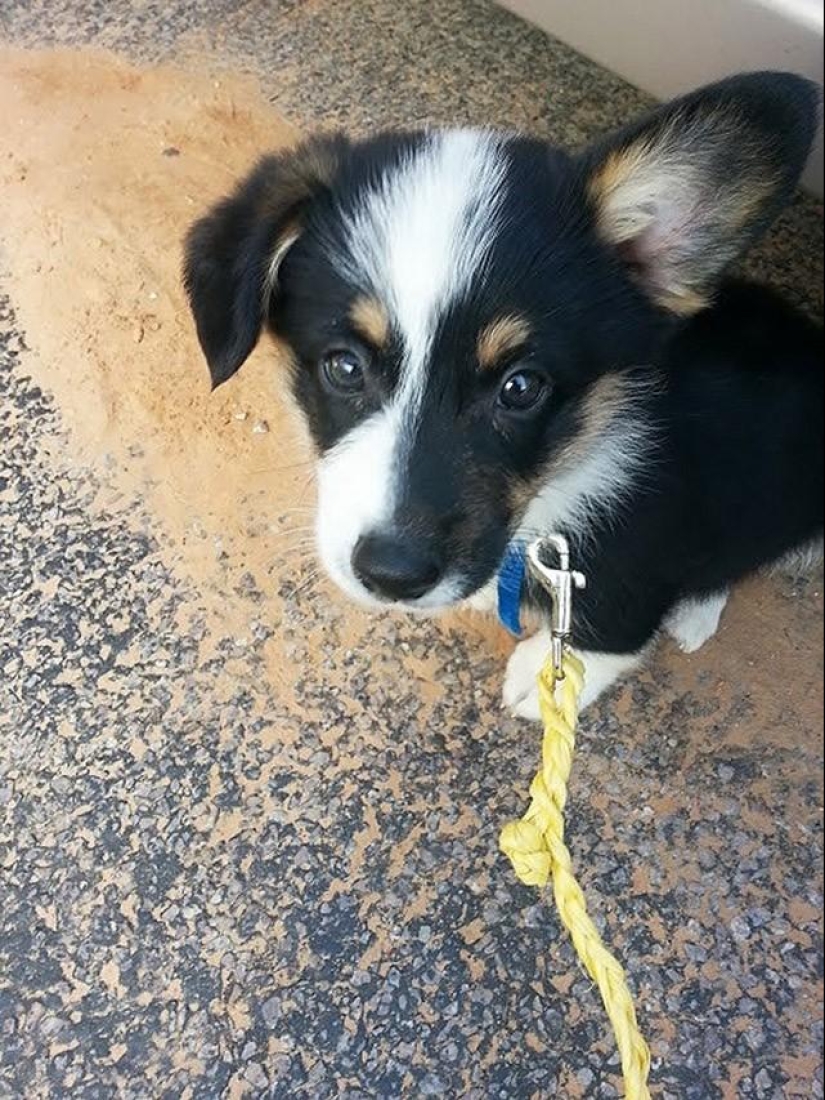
{"type": "Point", "coordinates": [503, 336]}
{"type": "Point", "coordinates": [682, 301]}
{"type": "Point", "coordinates": [371, 320]}
{"type": "Point", "coordinates": [296, 176]}
{"type": "Point", "coordinates": [286, 240]}
{"type": "Point", "coordinates": [615, 172]}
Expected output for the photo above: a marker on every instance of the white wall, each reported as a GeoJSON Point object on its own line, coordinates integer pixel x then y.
{"type": "Point", "coordinates": [667, 47]}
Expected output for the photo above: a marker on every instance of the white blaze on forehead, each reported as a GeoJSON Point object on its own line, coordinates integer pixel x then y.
{"type": "Point", "coordinates": [422, 234]}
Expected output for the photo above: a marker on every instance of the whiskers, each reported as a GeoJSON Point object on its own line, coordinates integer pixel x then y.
{"type": "Point", "coordinates": [297, 565]}
{"type": "Point", "coordinates": [283, 467]}
{"type": "Point", "coordinates": [294, 539]}
{"type": "Point", "coordinates": [308, 582]}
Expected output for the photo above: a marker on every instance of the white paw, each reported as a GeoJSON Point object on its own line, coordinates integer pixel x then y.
{"type": "Point", "coordinates": [692, 622]}
{"type": "Point", "coordinates": [521, 696]}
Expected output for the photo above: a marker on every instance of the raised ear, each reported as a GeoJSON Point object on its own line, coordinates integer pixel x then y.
{"type": "Point", "coordinates": [684, 191]}
{"type": "Point", "coordinates": [232, 255]}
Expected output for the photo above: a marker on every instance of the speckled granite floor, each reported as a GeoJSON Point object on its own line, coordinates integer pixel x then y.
{"type": "Point", "coordinates": [224, 873]}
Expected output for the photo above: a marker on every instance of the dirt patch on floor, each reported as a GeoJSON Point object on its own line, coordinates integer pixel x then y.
{"type": "Point", "coordinates": [104, 166]}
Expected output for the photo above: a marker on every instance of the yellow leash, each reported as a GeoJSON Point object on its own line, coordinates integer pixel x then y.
{"type": "Point", "coordinates": [535, 844]}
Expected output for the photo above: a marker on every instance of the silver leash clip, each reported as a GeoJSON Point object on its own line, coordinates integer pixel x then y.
{"type": "Point", "coordinates": [559, 583]}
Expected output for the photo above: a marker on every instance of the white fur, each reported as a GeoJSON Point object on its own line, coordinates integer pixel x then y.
{"type": "Point", "coordinates": [417, 239]}
{"type": "Point", "coordinates": [421, 235]}
{"type": "Point", "coordinates": [691, 623]}
{"type": "Point", "coordinates": [597, 484]}
{"type": "Point", "coordinates": [602, 670]}
{"type": "Point", "coordinates": [356, 495]}
{"type": "Point", "coordinates": [485, 599]}
{"type": "Point", "coordinates": [800, 561]}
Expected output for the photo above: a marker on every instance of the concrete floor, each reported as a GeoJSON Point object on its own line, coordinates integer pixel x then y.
{"type": "Point", "coordinates": [248, 836]}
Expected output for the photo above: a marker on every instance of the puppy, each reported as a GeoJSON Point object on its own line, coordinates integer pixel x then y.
{"type": "Point", "coordinates": [493, 340]}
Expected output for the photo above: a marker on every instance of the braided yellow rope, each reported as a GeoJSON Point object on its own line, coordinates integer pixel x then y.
{"type": "Point", "coordinates": [537, 850]}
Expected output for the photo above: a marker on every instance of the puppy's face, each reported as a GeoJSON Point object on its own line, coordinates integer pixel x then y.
{"type": "Point", "coordinates": [472, 317]}
{"type": "Point", "coordinates": [448, 344]}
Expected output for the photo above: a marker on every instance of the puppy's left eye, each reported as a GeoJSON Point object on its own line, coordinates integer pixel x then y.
{"type": "Point", "coordinates": [344, 371]}
{"type": "Point", "coordinates": [523, 390]}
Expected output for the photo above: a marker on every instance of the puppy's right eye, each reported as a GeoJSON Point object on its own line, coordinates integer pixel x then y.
{"type": "Point", "coordinates": [523, 391]}
{"type": "Point", "coordinates": [344, 371]}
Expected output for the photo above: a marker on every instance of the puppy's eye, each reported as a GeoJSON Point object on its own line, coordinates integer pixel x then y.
{"type": "Point", "coordinates": [523, 390]}
{"type": "Point", "coordinates": [344, 371]}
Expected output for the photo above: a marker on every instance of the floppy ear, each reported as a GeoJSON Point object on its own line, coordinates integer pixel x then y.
{"type": "Point", "coordinates": [684, 191]}
{"type": "Point", "coordinates": [232, 255]}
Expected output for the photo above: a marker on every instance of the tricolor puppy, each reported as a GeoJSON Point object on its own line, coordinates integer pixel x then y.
{"type": "Point", "coordinates": [493, 339]}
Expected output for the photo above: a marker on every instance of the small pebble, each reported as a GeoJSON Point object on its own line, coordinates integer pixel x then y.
{"type": "Point", "coordinates": [255, 1076]}
{"type": "Point", "coordinates": [740, 929]}
{"type": "Point", "coordinates": [431, 1086]}
{"type": "Point", "coordinates": [260, 428]}
{"type": "Point", "coordinates": [171, 151]}
{"type": "Point", "coordinates": [240, 415]}
{"type": "Point", "coordinates": [763, 1080]}
{"type": "Point", "coordinates": [271, 1011]}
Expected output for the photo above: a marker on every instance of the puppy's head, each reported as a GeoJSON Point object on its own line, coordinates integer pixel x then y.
{"type": "Point", "coordinates": [470, 315]}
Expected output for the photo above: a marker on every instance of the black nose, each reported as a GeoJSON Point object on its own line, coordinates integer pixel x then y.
{"type": "Point", "coordinates": [396, 567]}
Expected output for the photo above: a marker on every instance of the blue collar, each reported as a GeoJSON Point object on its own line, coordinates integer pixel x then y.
{"type": "Point", "coordinates": [510, 583]}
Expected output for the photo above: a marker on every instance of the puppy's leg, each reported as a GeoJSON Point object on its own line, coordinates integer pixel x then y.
{"type": "Point", "coordinates": [602, 670]}
{"type": "Point", "coordinates": [692, 622]}
{"type": "Point", "coordinates": [521, 696]}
